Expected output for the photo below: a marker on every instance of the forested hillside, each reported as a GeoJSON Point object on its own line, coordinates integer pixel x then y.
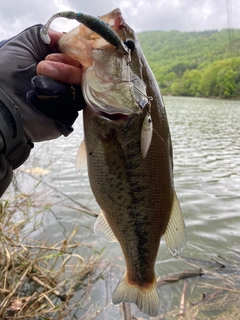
{"type": "Point", "coordinates": [203, 64]}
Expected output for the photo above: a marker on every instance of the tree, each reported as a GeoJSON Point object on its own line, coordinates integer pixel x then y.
{"type": "Point", "coordinates": [177, 88]}
{"type": "Point", "coordinates": [221, 79]}
{"type": "Point", "coordinates": [194, 63]}
{"type": "Point", "coordinates": [226, 83]}
{"type": "Point", "coordinates": [191, 80]}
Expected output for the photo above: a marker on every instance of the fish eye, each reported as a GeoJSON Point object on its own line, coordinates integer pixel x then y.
{"type": "Point", "coordinates": [130, 44]}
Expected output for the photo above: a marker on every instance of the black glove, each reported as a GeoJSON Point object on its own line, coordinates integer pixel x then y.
{"type": "Point", "coordinates": [25, 122]}
{"type": "Point", "coordinates": [56, 100]}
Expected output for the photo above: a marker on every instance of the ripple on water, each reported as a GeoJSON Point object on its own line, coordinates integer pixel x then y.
{"type": "Point", "coordinates": [205, 135]}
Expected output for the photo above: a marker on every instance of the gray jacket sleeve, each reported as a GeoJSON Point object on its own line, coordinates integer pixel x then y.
{"type": "Point", "coordinates": [18, 59]}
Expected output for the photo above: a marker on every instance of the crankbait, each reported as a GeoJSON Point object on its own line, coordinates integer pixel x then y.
{"type": "Point", "coordinates": [93, 23]}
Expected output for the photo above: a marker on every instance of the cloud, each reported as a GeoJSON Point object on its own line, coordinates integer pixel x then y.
{"type": "Point", "coordinates": [16, 16]}
{"type": "Point", "coordinates": [183, 15]}
{"type": "Point", "coordinates": [141, 15]}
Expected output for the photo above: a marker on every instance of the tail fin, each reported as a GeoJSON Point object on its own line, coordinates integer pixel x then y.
{"type": "Point", "coordinates": [146, 299]}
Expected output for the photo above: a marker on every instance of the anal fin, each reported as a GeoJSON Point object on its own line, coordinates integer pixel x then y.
{"type": "Point", "coordinates": [103, 229]}
{"type": "Point", "coordinates": [175, 234]}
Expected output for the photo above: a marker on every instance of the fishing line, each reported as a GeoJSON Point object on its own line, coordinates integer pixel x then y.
{"type": "Point", "coordinates": [150, 98]}
{"type": "Point", "coordinates": [193, 227]}
{"type": "Point", "coordinates": [159, 135]}
{"type": "Point", "coordinates": [184, 200]}
{"type": "Point", "coordinates": [131, 80]}
{"type": "Point", "coordinates": [230, 26]}
{"type": "Point", "coordinates": [229, 11]}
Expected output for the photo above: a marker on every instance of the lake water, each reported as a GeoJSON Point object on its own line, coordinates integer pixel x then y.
{"type": "Point", "coordinates": [206, 143]}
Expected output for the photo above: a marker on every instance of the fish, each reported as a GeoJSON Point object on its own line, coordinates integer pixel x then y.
{"type": "Point", "coordinates": [128, 147]}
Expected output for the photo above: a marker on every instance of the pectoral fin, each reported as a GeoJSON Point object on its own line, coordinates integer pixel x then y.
{"type": "Point", "coordinates": [81, 157]}
{"type": "Point", "coordinates": [103, 229]}
{"type": "Point", "coordinates": [175, 234]}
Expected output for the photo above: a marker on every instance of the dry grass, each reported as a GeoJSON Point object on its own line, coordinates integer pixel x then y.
{"type": "Point", "coordinates": [44, 281]}
{"type": "Point", "coordinates": [214, 295]}
{"type": "Point", "coordinates": [33, 281]}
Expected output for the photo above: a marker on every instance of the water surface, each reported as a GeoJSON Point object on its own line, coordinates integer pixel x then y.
{"type": "Point", "coordinates": [205, 135]}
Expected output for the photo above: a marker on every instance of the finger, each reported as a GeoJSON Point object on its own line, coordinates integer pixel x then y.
{"type": "Point", "coordinates": [60, 72]}
{"type": "Point", "coordinates": [57, 93]}
{"type": "Point", "coordinates": [55, 36]}
{"type": "Point", "coordinates": [63, 58]}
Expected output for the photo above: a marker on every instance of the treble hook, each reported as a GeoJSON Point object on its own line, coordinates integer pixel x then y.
{"type": "Point", "coordinates": [93, 23]}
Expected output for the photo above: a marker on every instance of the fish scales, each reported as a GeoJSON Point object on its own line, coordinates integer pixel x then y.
{"type": "Point", "coordinates": [129, 190]}
{"type": "Point", "coordinates": [129, 156]}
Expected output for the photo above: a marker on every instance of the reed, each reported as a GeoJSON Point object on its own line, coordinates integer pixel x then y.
{"type": "Point", "coordinates": [44, 280]}
{"type": "Point", "coordinates": [33, 281]}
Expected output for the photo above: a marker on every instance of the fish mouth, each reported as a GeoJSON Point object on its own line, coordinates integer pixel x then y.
{"type": "Point", "coordinates": [113, 117]}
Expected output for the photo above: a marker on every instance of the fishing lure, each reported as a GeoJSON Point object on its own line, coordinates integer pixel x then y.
{"type": "Point", "coordinates": [146, 134]}
{"type": "Point", "coordinates": [93, 23]}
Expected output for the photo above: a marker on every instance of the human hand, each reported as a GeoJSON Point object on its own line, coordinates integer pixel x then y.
{"type": "Point", "coordinates": [21, 58]}
{"type": "Point", "coordinates": [59, 66]}
{"type": "Point", "coordinates": [21, 123]}
{"type": "Point", "coordinates": [52, 95]}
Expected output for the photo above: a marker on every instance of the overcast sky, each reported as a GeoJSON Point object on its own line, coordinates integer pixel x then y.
{"type": "Point", "coordinates": [183, 15]}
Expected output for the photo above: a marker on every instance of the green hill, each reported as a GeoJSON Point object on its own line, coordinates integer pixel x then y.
{"type": "Point", "coordinates": [203, 63]}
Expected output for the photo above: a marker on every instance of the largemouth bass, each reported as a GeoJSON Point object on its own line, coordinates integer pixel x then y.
{"type": "Point", "coordinates": [129, 156]}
